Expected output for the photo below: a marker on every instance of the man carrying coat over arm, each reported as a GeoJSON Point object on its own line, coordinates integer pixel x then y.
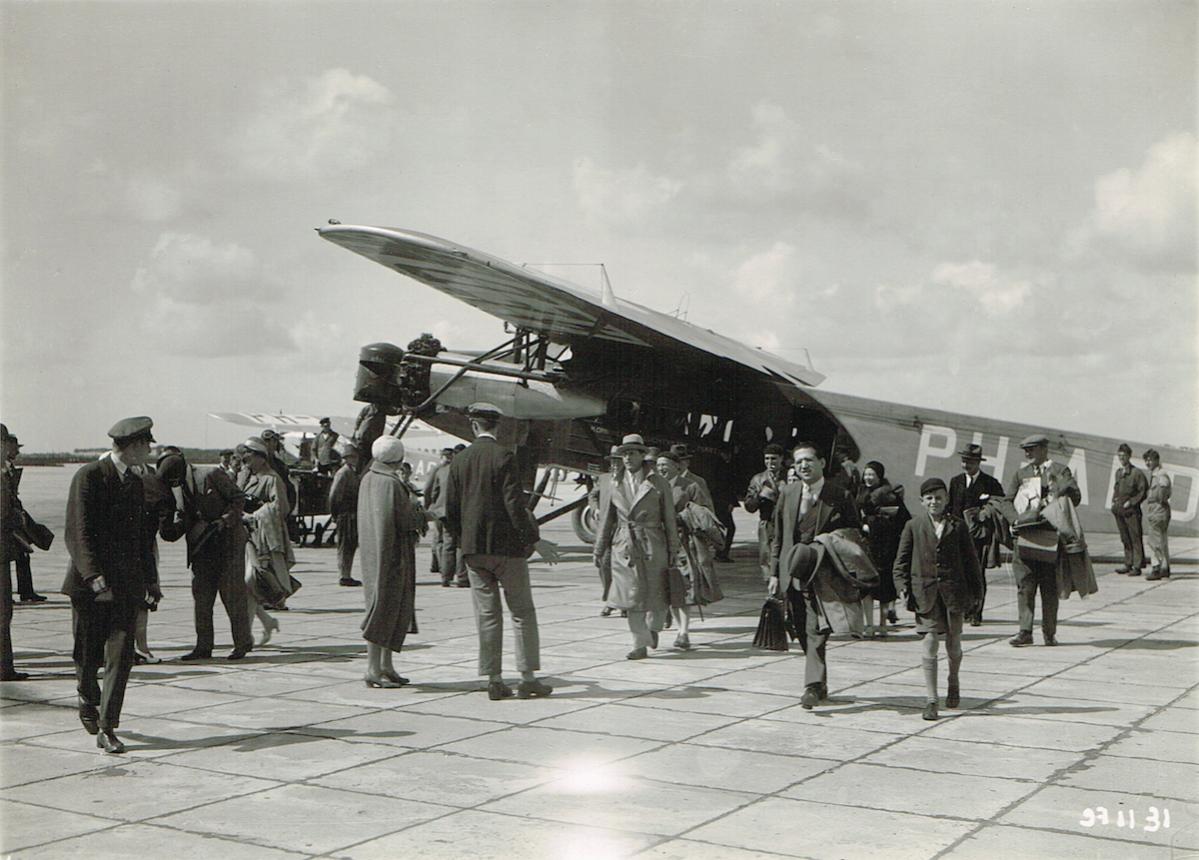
{"type": "Point", "coordinates": [485, 510]}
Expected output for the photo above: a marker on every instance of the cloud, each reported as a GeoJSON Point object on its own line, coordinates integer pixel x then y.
{"type": "Point", "coordinates": [151, 199]}
{"type": "Point", "coordinates": [997, 295]}
{"type": "Point", "coordinates": [782, 164]}
{"type": "Point", "coordinates": [317, 128]}
{"type": "Point", "coordinates": [1147, 216]}
{"type": "Point", "coordinates": [201, 298]}
{"type": "Point", "coordinates": [621, 197]}
{"type": "Point", "coordinates": [770, 276]}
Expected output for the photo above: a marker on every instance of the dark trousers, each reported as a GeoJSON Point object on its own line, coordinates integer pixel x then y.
{"type": "Point", "coordinates": [225, 576]}
{"type": "Point", "coordinates": [813, 637]}
{"type": "Point", "coordinates": [347, 544]}
{"type": "Point", "coordinates": [980, 547]}
{"type": "Point", "coordinates": [6, 656]}
{"type": "Point", "coordinates": [765, 537]}
{"type": "Point", "coordinates": [452, 565]}
{"type": "Point", "coordinates": [438, 543]}
{"type": "Point", "coordinates": [1032, 576]}
{"type": "Point", "coordinates": [24, 576]}
{"type": "Point", "coordinates": [103, 637]}
{"type": "Point", "coordinates": [1130, 535]}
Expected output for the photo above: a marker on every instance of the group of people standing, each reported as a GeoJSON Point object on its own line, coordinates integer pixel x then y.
{"type": "Point", "coordinates": [656, 540]}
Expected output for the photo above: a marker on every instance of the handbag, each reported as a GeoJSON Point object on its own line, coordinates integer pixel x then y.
{"type": "Point", "coordinates": [772, 630]}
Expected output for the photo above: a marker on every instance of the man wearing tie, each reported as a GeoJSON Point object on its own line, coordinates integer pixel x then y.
{"type": "Point", "coordinates": [1037, 482]}
{"type": "Point", "coordinates": [969, 490]}
{"type": "Point", "coordinates": [111, 572]}
{"type": "Point", "coordinates": [810, 507]}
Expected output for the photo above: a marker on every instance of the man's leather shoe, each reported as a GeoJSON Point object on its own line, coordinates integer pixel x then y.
{"type": "Point", "coordinates": [90, 722]}
{"type": "Point", "coordinates": [1136, 572]}
{"type": "Point", "coordinates": [238, 653]}
{"type": "Point", "coordinates": [497, 690]}
{"type": "Point", "coordinates": [1021, 639]}
{"type": "Point", "coordinates": [810, 698]}
{"type": "Point", "coordinates": [1050, 640]}
{"type": "Point", "coordinates": [109, 742]}
{"type": "Point", "coordinates": [349, 582]}
{"type": "Point", "coordinates": [1121, 570]}
{"type": "Point", "coordinates": [637, 654]}
{"type": "Point", "coordinates": [13, 675]}
{"type": "Point", "coordinates": [532, 689]}
{"type": "Point", "coordinates": [953, 697]}
{"type": "Point", "coordinates": [1155, 575]}
{"type": "Point", "coordinates": [196, 655]}
{"type": "Point", "coordinates": [930, 711]}
{"type": "Point", "coordinates": [33, 598]}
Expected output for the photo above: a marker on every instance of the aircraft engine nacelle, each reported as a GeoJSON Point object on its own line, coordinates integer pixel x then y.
{"type": "Point", "coordinates": [530, 400]}
{"type": "Point", "coordinates": [380, 378]}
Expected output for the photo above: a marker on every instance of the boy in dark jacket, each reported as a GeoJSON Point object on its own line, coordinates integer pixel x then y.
{"type": "Point", "coordinates": [938, 568]}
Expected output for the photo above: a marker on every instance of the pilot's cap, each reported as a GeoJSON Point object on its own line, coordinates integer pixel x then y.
{"type": "Point", "coordinates": [631, 442]}
{"type": "Point", "coordinates": [1034, 440]}
{"type": "Point", "coordinates": [680, 452]}
{"type": "Point", "coordinates": [483, 409]}
{"type": "Point", "coordinates": [131, 429]}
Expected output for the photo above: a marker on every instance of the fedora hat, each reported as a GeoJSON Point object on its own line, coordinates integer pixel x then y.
{"type": "Point", "coordinates": [972, 452]}
{"type": "Point", "coordinates": [631, 442]}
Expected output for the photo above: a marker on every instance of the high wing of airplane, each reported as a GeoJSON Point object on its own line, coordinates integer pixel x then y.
{"type": "Point", "coordinates": [581, 370]}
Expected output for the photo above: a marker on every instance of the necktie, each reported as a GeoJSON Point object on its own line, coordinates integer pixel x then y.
{"type": "Point", "coordinates": [805, 501]}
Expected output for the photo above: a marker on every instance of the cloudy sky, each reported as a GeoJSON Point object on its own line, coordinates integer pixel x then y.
{"type": "Point", "coordinates": [962, 205]}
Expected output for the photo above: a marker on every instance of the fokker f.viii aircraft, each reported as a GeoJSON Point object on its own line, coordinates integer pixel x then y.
{"type": "Point", "coordinates": [581, 370]}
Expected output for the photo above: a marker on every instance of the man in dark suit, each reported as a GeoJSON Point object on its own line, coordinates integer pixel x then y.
{"type": "Point", "coordinates": [810, 507]}
{"type": "Point", "coordinates": [969, 490]}
{"type": "Point", "coordinates": [1128, 493]}
{"type": "Point", "coordinates": [937, 566]}
{"type": "Point", "coordinates": [485, 510]}
{"type": "Point", "coordinates": [10, 512]}
{"type": "Point", "coordinates": [1037, 482]}
{"type": "Point", "coordinates": [111, 573]}
{"type": "Point", "coordinates": [434, 496]}
{"type": "Point", "coordinates": [216, 552]}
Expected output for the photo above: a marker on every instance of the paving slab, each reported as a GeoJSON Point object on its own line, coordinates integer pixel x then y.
{"type": "Point", "coordinates": [703, 754]}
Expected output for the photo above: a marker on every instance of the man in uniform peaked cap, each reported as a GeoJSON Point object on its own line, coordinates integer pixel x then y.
{"type": "Point", "coordinates": [111, 571]}
{"type": "Point", "coordinates": [485, 509]}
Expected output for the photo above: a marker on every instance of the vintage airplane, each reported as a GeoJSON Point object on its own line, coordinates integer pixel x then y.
{"type": "Point", "coordinates": [579, 371]}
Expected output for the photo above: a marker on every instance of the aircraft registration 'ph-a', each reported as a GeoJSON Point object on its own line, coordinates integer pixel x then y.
{"type": "Point", "coordinates": [580, 370]}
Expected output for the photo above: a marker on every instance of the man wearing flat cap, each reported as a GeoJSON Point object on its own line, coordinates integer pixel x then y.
{"type": "Point", "coordinates": [1035, 484]}
{"type": "Point", "coordinates": [326, 458]}
{"type": "Point", "coordinates": [969, 491]}
{"type": "Point", "coordinates": [486, 511]}
{"type": "Point", "coordinates": [111, 571]}
{"type": "Point", "coordinates": [1128, 493]}
{"type": "Point", "coordinates": [760, 498]}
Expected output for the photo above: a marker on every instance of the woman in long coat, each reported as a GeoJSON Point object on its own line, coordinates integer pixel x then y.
{"type": "Point", "coordinates": [389, 523]}
{"type": "Point", "coordinates": [269, 555]}
{"type": "Point", "coordinates": [883, 513]}
{"type": "Point", "coordinates": [640, 530]}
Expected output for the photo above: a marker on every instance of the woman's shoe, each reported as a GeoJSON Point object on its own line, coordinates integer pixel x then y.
{"type": "Point", "coordinates": [682, 642]}
{"type": "Point", "coordinates": [892, 618]}
{"type": "Point", "coordinates": [393, 675]}
{"type": "Point", "coordinates": [380, 682]}
{"type": "Point", "coordinates": [606, 611]}
{"type": "Point", "coordinates": [267, 630]}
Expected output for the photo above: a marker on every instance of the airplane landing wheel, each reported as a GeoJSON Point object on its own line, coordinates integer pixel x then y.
{"type": "Point", "coordinates": [583, 521]}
